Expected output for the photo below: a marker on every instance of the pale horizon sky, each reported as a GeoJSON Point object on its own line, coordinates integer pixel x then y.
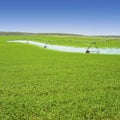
{"type": "Point", "coordinates": [85, 17]}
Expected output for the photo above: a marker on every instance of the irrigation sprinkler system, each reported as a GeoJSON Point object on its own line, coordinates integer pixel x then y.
{"type": "Point", "coordinates": [91, 44]}
{"type": "Point", "coordinates": [94, 49]}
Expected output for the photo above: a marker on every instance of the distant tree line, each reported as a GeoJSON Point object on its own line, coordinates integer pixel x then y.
{"type": "Point", "coordinates": [25, 33]}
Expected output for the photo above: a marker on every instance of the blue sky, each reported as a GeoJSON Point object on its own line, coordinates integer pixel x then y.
{"type": "Point", "coordinates": [88, 17]}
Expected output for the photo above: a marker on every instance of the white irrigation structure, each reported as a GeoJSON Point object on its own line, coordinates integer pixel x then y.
{"type": "Point", "coordinates": [88, 49]}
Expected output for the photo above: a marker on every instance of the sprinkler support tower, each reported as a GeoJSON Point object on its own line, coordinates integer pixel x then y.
{"type": "Point", "coordinates": [92, 43]}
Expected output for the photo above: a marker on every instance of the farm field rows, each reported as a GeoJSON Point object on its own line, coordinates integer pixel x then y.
{"type": "Point", "coordinates": [41, 84]}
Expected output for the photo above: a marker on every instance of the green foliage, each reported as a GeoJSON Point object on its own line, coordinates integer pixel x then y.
{"type": "Point", "coordinates": [41, 84]}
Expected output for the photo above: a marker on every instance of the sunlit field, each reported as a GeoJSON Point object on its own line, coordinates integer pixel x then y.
{"type": "Point", "coordinates": [42, 84]}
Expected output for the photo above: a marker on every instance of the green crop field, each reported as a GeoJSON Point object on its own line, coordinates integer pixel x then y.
{"type": "Point", "coordinates": [69, 40]}
{"type": "Point", "coordinates": [42, 84]}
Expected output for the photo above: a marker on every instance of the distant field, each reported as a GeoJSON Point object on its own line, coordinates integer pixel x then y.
{"type": "Point", "coordinates": [40, 84]}
{"type": "Point", "coordinates": [70, 40]}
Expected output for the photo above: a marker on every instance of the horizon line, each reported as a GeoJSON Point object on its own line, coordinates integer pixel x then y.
{"type": "Point", "coordinates": [25, 32]}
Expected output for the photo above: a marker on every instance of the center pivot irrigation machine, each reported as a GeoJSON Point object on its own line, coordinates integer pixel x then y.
{"type": "Point", "coordinates": [93, 46]}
